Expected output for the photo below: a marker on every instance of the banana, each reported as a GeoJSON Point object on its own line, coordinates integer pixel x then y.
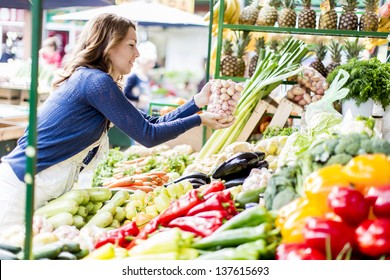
{"type": "Point", "coordinates": [228, 11]}
{"type": "Point", "coordinates": [236, 11]}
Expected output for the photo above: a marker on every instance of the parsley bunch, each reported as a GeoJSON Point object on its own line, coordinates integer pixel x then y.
{"type": "Point", "coordinates": [368, 79]}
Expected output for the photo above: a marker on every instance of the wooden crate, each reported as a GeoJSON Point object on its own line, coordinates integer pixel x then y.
{"type": "Point", "coordinates": [9, 130]}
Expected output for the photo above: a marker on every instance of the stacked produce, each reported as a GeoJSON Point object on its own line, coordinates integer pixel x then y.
{"type": "Point", "coordinates": [224, 98]}
{"type": "Point", "coordinates": [310, 88]}
{"type": "Point", "coordinates": [342, 216]}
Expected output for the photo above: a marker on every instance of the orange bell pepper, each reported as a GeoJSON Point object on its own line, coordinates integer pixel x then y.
{"type": "Point", "coordinates": [320, 183]}
{"type": "Point", "coordinates": [365, 171]}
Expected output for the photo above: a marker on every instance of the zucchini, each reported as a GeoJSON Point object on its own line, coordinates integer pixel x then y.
{"type": "Point", "coordinates": [99, 194]}
{"type": "Point", "coordinates": [109, 207]}
{"type": "Point", "coordinates": [119, 198]}
{"type": "Point", "coordinates": [61, 219]}
{"type": "Point", "coordinates": [7, 255]}
{"type": "Point", "coordinates": [101, 219]}
{"type": "Point", "coordinates": [59, 206]}
{"type": "Point", "coordinates": [96, 207]}
{"type": "Point", "coordinates": [49, 251]}
{"type": "Point", "coordinates": [83, 212]}
{"type": "Point", "coordinates": [120, 214]}
{"type": "Point", "coordinates": [89, 206]}
{"type": "Point", "coordinates": [78, 221]}
{"type": "Point", "coordinates": [66, 256]}
{"type": "Point", "coordinates": [77, 195]}
{"type": "Point", "coordinates": [10, 248]}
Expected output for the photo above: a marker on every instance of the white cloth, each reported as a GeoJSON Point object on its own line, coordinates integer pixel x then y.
{"type": "Point", "coordinates": [49, 184]}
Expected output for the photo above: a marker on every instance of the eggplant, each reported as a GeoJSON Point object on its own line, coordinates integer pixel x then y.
{"type": "Point", "coordinates": [196, 181]}
{"type": "Point", "coordinates": [195, 175]}
{"type": "Point", "coordinates": [242, 162]}
{"type": "Point", "coordinates": [234, 182]}
{"type": "Point", "coordinates": [262, 164]}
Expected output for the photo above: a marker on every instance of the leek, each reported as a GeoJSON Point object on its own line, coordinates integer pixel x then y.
{"type": "Point", "coordinates": [269, 74]}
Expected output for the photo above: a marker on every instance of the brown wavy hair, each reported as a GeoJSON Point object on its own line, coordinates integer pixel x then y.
{"type": "Point", "coordinates": [98, 37]}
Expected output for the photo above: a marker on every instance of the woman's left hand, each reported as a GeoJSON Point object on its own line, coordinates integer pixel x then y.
{"type": "Point", "coordinates": [202, 98]}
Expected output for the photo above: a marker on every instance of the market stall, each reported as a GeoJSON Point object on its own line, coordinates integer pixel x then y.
{"type": "Point", "coordinates": [296, 177]}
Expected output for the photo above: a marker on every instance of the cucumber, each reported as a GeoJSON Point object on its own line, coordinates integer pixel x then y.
{"type": "Point", "coordinates": [248, 197]}
{"type": "Point", "coordinates": [59, 206]}
{"type": "Point", "coordinates": [66, 256]}
{"type": "Point", "coordinates": [7, 255]}
{"type": "Point", "coordinates": [10, 248]}
{"type": "Point", "coordinates": [99, 194]}
{"type": "Point", "coordinates": [49, 251]}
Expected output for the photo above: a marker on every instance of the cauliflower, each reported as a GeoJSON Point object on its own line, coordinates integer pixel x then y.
{"type": "Point", "coordinates": [237, 147]}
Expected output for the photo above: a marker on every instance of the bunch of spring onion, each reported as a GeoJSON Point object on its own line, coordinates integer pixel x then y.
{"type": "Point", "coordinates": [269, 74]}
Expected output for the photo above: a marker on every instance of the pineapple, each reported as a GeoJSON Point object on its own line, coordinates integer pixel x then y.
{"type": "Point", "coordinates": [320, 50]}
{"type": "Point", "coordinates": [353, 49]}
{"type": "Point", "coordinates": [249, 14]}
{"type": "Point", "coordinates": [268, 15]}
{"type": "Point", "coordinates": [335, 49]}
{"type": "Point", "coordinates": [260, 51]}
{"type": "Point", "coordinates": [307, 17]}
{"type": "Point", "coordinates": [240, 47]}
{"type": "Point", "coordinates": [369, 20]}
{"type": "Point", "coordinates": [228, 61]}
{"type": "Point", "coordinates": [348, 19]}
{"type": "Point", "coordinates": [287, 16]}
{"type": "Point", "coordinates": [329, 19]}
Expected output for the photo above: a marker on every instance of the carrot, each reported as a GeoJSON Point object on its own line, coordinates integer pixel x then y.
{"type": "Point", "coordinates": [134, 160]}
{"type": "Point", "coordinates": [121, 182]}
{"type": "Point", "coordinates": [158, 173]}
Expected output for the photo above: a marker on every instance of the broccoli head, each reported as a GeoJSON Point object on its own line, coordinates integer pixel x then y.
{"type": "Point", "coordinates": [339, 159]}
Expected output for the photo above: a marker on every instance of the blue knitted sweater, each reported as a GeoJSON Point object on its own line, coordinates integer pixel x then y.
{"type": "Point", "coordinates": [79, 111]}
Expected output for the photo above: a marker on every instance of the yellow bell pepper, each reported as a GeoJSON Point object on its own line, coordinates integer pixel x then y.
{"type": "Point", "coordinates": [320, 183]}
{"type": "Point", "coordinates": [292, 229]}
{"type": "Point", "coordinates": [368, 170]}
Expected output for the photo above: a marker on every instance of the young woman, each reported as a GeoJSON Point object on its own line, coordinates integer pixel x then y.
{"type": "Point", "coordinates": [73, 122]}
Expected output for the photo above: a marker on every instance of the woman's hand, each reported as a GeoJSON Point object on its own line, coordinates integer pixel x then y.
{"type": "Point", "coordinates": [211, 120]}
{"type": "Point", "coordinates": [202, 98]}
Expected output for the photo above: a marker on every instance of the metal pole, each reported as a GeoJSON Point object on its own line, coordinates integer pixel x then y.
{"type": "Point", "coordinates": [36, 11]}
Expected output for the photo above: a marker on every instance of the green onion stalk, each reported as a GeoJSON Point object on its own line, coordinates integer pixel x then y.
{"type": "Point", "coordinates": [269, 74]}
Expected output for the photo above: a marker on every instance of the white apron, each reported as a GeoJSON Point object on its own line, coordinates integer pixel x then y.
{"type": "Point", "coordinates": [49, 183]}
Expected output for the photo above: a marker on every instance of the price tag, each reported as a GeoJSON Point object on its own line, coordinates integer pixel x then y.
{"type": "Point", "coordinates": [325, 6]}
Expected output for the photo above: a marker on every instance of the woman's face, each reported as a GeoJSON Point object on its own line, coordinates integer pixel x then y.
{"type": "Point", "coordinates": [123, 55]}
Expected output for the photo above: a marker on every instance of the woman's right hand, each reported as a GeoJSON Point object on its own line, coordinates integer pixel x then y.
{"type": "Point", "coordinates": [211, 120]}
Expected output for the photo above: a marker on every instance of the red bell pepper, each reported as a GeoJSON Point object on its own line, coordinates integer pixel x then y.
{"type": "Point", "coordinates": [318, 230]}
{"type": "Point", "coordinates": [198, 225]}
{"type": "Point", "coordinates": [349, 204]}
{"type": "Point", "coordinates": [380, 200]}
{"type": "Point", "coordinates": [216, 201]}
{"type": "Point", "coordinates": [214, 186]}
{"type": "Point", "coordinates": [119, 236]}
{"type": "Point", "coordinates": [298, 251]}
{"type": "Point", "coordinates": [373, 237]}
